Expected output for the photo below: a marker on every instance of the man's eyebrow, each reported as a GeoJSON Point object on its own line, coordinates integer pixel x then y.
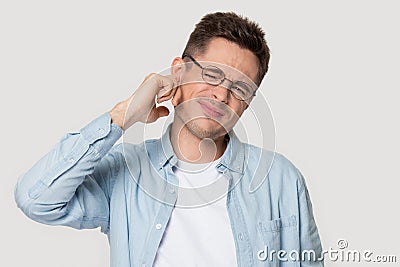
{"type": "Point", "coordinates": [246, 86]}
{"type": "Point", "coordinates": [230, 73]}
{"type": "Point", "coordinates": [243, 77]}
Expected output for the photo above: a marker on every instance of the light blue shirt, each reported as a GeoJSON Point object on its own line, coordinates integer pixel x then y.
{"type": "Point", "coordinates": [130, 190]}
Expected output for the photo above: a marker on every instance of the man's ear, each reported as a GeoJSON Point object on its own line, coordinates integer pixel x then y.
{"type": "Point", "coordinates": [177, 70]}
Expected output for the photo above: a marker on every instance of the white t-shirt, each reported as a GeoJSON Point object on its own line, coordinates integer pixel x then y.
{"type": "Point", "coordinates": [199, 231]}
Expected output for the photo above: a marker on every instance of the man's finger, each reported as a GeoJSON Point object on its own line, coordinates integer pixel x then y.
{"type": "Point", "coordinates": [167, 85]}
{"type": "Point", "coordinates": [166, 96]}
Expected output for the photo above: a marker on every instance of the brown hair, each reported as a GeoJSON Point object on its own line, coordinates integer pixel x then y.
{"type": "Point", "coordinates": [235, 28]}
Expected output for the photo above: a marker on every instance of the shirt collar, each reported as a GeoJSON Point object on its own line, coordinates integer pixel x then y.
{"type": "Point", "coordinates": [232, 159]}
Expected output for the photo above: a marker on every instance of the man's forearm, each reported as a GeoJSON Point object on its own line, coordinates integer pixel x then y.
{"type": "Point", "coordinates": [44, 192]}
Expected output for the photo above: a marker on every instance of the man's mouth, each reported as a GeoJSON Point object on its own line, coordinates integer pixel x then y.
{"type": "Point", "coordinates": [210, 109]}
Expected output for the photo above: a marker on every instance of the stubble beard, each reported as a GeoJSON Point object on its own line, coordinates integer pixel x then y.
{"type": "Point", "coordinates": [193, 127]}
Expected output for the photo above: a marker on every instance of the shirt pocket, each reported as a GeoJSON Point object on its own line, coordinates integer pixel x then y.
{"type": "Point", "coordinates": [281, 241]}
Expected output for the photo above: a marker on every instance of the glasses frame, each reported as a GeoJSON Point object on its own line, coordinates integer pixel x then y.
{"type": "Point", "coordinates": [222, 80]}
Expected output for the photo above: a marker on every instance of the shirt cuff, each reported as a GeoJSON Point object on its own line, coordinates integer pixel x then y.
{"type": "Point", "coordinates": [101, 134]}
{"type": "Point", "coordinates": [100, 128]}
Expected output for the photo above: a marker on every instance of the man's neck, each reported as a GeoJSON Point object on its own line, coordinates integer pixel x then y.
{"type": "Point", "coordinates": [190, 148]}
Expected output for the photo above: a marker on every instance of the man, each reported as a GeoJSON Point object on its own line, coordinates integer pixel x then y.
{"type": "Point", "coordinates": [184, 199]}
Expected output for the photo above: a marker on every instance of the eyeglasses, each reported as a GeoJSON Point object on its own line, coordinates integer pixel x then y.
{"type": "Point", "coordinates": [215, 76]}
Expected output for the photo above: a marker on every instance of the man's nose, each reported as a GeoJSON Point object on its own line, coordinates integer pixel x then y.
{"type": "Point", "coordinates": [221, 92]}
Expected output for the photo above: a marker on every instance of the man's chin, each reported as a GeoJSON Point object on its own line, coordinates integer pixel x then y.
{"type": "Point", "coordinates": [206, 128]}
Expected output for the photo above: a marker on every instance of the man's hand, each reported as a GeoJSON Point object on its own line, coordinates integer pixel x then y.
{"type": "Point", "coordinates": [141, 106]}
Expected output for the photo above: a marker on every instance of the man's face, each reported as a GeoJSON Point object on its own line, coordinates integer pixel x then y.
{"type": "Point", "coordinates": [210, 111]}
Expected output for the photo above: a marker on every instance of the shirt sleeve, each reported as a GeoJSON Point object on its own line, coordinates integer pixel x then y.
{"type": "Point", "coordinates": [310, 243]}
{"type": "Point", "coordinates": [71, 185]}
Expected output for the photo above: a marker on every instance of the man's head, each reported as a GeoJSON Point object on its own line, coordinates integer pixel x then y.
{"type": "Point", "coordinates": [232, 27]}
{"type": "Point", "coordinates": [236, 46]}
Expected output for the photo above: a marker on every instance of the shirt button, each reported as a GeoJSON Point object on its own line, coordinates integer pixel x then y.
{"type": "Point", "coordinates": [71, 160]}
{"type": "Point", "coordinates": [100, 130]}
{"type": "Point", "coordinates": [172, 191]}
{"type": "Point", "coordinates": [240, 236]}
{"type": "Point", "coordinates": [158, 226]}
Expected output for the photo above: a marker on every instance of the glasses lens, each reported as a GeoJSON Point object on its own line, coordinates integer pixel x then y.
{"type": "Point", "coordinates": [241, 90]}
{"type": "Point", "coordinates": [213, 75]}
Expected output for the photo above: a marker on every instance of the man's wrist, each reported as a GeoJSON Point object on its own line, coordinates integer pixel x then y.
{"type": "Point", "coordinates": [117, 115]}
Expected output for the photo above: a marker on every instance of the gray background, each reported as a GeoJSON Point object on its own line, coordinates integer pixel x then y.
{"type": "Point", "coordinates": [332, 90]}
